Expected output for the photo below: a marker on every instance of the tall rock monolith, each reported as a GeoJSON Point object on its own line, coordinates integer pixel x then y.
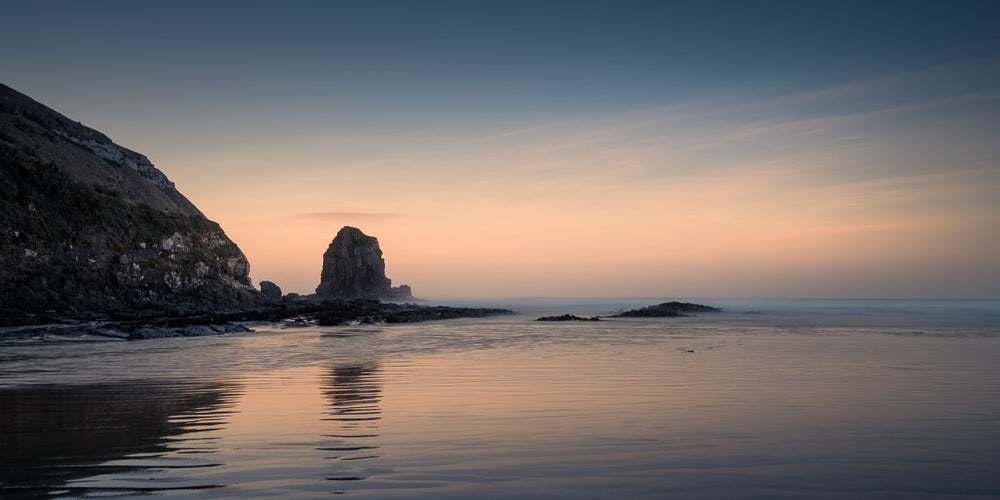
{"type": "Point", "coordinates": [353, 267]}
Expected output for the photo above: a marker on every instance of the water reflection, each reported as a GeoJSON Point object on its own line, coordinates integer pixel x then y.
{"type": "Point", "coordinates": [352, 395]}
{"type": "Point", "coordinates": [98, 439]}
{"type": "Point", "coordinates": [509, 408]}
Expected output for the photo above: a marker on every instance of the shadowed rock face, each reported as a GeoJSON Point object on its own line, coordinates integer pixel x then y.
{"type": "Point", "coordinates": [270, 290]}
{"type": "Point", "coordinates": [353, 268]}
{"type": "Point", "coordinates": [89, 229]}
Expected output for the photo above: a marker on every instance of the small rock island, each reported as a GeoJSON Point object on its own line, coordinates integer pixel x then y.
{"type": "Point", "coordinates": [666, 310]}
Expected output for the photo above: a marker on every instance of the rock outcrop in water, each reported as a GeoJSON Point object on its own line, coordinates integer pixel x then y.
{"type": "Point", "coordinates": [353, 268]}
{"type": "Point", "coordinates": [568, 317]}
{"type": "Point", "coordinates": [90, 229]}
{"type": "Point", "coordinates": [667, 309]}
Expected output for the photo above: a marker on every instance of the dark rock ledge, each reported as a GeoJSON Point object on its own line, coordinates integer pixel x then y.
{"type": "Point", "coordinates": [341, 312]}
{"type": "Point", "coordinates": [666, 310]}
{"type": "Point", "coordinates": [300, 311]}
{"type": "Point", "coordinates": [568, 317]}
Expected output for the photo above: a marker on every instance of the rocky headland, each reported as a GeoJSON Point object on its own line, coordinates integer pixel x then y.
{"type": "Point", "coordinates": [89, 229]}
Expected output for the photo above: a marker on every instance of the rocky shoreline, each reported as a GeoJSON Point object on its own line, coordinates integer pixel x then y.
{"type": "Point", "coordinates": [289, 312]}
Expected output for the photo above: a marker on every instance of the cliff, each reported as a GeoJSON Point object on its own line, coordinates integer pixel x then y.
{"type": "Point", "coordinates": [90, 229]}
{"type": "Point", "coordinates": [353, 268]}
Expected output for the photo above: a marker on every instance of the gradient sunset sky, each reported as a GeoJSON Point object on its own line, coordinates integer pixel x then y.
{"type": "Point", "coordinates": [575, 149]}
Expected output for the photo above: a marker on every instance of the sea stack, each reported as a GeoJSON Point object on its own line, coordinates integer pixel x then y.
{"type": "Point", "coordinates": [353, 268]}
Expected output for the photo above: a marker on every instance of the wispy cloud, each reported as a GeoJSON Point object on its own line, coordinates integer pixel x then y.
{"type": "Point", "coordinates": [344, 215]}
{"type": "Point", "coordinates": [881, 127]}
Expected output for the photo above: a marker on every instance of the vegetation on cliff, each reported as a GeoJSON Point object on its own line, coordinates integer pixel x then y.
{"type": "Point", "coordinates": [45, 205]}
{"type": "Point", "coordinates": [91, 230]}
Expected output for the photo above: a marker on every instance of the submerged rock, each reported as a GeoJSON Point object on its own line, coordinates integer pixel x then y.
{"type": "Point", "coordinates": [353, 268]}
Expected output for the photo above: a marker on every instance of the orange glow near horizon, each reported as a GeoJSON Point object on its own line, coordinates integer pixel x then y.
{"type": "Point", "coordinates": [653, 240]}
{"type": "Point", "coordinates": [664, 202]}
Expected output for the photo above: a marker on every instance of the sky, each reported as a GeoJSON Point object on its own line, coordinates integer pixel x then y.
{"type": "Point", "coordinates": [559, 149]}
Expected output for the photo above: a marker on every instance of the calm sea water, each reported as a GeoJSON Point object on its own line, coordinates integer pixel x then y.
{"type": "Point", "coordinates": [770, 399]}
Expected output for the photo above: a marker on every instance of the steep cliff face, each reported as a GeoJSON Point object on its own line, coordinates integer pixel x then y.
{"type": "Point", "coordinates": [353, 268]}
{"type": "Point", "coordinates": [88, 228]}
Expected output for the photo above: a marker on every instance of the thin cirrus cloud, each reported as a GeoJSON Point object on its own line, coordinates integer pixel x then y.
{"type": "Point", "coordinates": [345, 215]}
{"type": "Point", "coordinates": [815, 124]}
{"type": "Point", "coordinates": [884, 176]}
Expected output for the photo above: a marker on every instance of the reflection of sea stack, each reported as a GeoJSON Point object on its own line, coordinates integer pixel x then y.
{"type": "Point", "coordinates": [353, 268]}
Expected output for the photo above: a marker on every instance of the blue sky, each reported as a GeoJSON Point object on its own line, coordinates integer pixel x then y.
{"type": "Point", "coordinates": [454, 130]}
{"type": "Point", "coordinates": [448, 61]}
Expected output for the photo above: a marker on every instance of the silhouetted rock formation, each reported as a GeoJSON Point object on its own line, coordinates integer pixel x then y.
{"type": "Point", "coordinates": [666, 309]}
{"type": "Point", "coordinates": [270, 290]}
{"type": "Point", "coordinates": [89, 229]}
{"type": "Point", "coordinates": [353, 268]}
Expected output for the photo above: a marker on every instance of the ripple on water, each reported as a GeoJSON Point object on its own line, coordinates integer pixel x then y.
{"type": "Point", "coordinates": [505, 407]}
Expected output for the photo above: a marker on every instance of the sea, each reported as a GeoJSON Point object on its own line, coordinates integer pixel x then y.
{"type": "Point", "coordinates": [813, 399]}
